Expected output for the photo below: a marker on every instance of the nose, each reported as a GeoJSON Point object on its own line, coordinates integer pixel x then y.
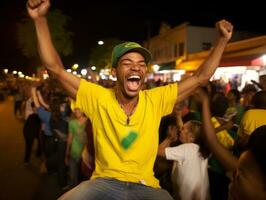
{"type": "Point", "coordinates": [135, 67]}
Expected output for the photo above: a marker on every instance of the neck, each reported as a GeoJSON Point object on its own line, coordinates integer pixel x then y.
{"type": "Point", "coordinates": [128, 104]}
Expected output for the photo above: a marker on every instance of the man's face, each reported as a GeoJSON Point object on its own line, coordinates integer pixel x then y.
{"type": "Point", "coordinates": [130, 73]}
{"type": "Point", "coordinates": [248, 181]}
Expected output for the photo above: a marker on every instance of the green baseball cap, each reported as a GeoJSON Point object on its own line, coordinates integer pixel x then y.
{"type": "Point", "coordinates": [121, 49]}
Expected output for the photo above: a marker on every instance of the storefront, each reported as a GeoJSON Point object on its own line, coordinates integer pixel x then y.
{"type": "Point", "coordinates": [242, 62]}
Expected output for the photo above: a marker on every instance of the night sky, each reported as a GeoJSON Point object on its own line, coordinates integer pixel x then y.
{"type": "Point", "coordinates": [127, 20]}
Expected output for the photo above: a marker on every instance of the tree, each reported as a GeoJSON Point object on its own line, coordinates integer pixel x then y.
{"type": "Point", "coordinates": [100, 56]}
{"type": "Point", "coordinates": [27, 40]}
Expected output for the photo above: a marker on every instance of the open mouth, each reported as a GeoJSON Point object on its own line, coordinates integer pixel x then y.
{"type": "Point", "coordinates": [133, 82]}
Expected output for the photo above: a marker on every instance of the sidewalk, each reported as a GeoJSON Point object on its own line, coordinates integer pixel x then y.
{"type": "Point", "coordinates": [17, 180]}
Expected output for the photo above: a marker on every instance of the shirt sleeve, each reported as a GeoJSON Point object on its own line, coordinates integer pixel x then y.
{"type": "Point", "coordinates": [175, 153]}
{"type": "Point", "coordinates": [87, 97]}
{"type": "Point", "coordinates": [164, 97]}
{"type": "Point", "coordinates": [246, 125]}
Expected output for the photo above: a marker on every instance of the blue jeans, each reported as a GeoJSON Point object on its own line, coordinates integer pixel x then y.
{"type": "Point", "coordinates": [112, 189]}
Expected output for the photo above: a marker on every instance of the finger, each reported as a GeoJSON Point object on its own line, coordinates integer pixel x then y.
{"type": "Point", "coordinates": [34, 3]}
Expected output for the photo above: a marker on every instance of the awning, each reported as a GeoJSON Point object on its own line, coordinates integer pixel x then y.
{"type": "Point", "coordinates": [242, 53]}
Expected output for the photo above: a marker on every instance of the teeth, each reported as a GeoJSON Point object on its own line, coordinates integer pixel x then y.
{"type": "Point", "coordinates": [134, 76]}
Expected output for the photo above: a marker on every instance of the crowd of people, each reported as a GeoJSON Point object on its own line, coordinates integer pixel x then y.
{"type": "Point", "coordinates": [186, 163]}
{"type": "Point", "coordinates": [133, 140]}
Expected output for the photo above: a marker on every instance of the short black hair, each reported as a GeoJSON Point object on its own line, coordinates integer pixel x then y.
{"type": "Point", "coordinates": [236, 93]}
{"type": "Point", "coordinates": [256, 145]}
{"type": "Point", "coordinates": [259, 100]}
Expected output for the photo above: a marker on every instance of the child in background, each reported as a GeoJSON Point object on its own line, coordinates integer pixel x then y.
{"type": "Point", "coordinates": [189, 173]}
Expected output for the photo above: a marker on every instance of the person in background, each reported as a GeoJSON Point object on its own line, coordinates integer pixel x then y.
{"type": "Point", "coordinates": [252, 119]}
{"type": "Point", "coordinates": [247, 93]}
{"type": "Point", "coordinates": [76, 142]}
{"type": "Point", "coordinates": [248, 173]}
{"type": "Point", "coordinates": [190, 169]}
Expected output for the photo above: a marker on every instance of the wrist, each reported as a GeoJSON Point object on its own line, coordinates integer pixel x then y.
{"type": "Point", "coordinates": [223, 40]}
{"type": "Point", "coordinates": [40, 20]}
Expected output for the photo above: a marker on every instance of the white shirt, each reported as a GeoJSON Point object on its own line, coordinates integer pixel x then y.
{"type": "Point", "coordinates": [189, 173]}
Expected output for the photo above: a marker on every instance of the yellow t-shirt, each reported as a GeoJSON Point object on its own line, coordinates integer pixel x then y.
{"type": "Point", "coordinates": [109, 122]}
{"type": "Point", "coordinates": [251, 120]}
{"type": "Point", "coordinates": [223, 136]}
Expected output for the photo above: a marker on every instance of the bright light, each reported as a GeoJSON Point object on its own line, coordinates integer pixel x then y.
{"type": "Point", "coordinates": [112, 78]}
{"type": "Point", "coordinates": [69, 70]}
{"type": "Point", "coordinates": [75, 73]}
{"type": "Point", "coordinates": [155, 68]}
{"type": "Point", "coordinates": [103, 77]}
{"type": "Point", "coordinates": [176, 77]}
{"type": "Point", "coordinates": [19, 73]}
{"type": "Point", "coordinates": [100, 42]}
{"type": "Point", "coordinates": [93, 68]}
{"type": "Point", "coordinates": [83, 72]}
{"type": "Point", "coordinates": [75, 66]}
{"type": "Point", "coordinates": [264, 59]}
{"type": "Point", "coordinates": [5, 71]}
{"type": "Point", "coordinates": [45, 76]}
{"type": "Point", "coordinates": [15, 72]}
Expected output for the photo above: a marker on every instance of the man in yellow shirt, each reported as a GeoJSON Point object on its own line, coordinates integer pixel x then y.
{"type": "Point", "coordinates": [125, 119]}
{"type": "Point", "coordinates": [252, 119]}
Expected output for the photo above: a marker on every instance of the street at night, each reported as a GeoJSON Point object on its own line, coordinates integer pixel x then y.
{"type": "Point", "coordinates": [20, 181]}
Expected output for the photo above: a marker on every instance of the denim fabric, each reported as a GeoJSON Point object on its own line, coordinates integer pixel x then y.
{"type": "Point", "coordinates": [112, 189]}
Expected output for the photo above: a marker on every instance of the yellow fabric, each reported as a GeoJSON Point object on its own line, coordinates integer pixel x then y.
{"type": "Point", "coordinates": [251, 120]}
{"type": "Point", "coordinates": [134, 164]}
{"type": "Point", "coordinates": [223, 136]}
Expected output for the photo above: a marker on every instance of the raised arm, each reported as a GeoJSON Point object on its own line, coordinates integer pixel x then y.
{"type": "Point", "coordinates": [41, 101]}
{"type": "Point", "coordinates": [35, 98]}
{"type": "Point", "coordinates": [171, 137]}
{"type": "Point", "coordinates": [208, 67]}
{"type": "Point", "coordinates": [225, 157]}
{"type": "Point", "coordinates": [37, 10]}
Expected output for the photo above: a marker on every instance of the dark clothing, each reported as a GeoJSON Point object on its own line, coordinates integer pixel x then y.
{"type": "Point", "coordinates": [31, 131]}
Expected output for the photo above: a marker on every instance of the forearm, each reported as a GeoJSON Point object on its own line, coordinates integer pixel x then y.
{"type": "Point", "coordinates": [224, 156]}
{"type": "Point", "coordinates": [42, 102]}
{"type": "Point", "coordinates": [69, 141]}
{"type": "Point", "coordinates": [35, 99]}
{"type": "Point", "coordinates": [52, 60]}
{"type": "Point", "coordinates": [47, 51]}
{"type": "Point", "coordinates": [207, 69]}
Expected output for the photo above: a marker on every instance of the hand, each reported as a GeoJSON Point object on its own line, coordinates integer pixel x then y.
{"type": "Point", "coordinates": [172, 133]}
{"type": "Point", "coordinates": [37, 8]}
{"type": "Point", "coordinates": [225, 29]}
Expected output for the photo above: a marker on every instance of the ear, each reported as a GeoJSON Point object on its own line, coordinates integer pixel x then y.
{"type": "Point", "coordinates": [113, 72]}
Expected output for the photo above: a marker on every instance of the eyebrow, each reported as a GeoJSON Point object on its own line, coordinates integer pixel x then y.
{"type": "Point", "coordinates": [128, 59]}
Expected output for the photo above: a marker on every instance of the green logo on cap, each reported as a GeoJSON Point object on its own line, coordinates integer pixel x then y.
{"type": "Point", "coordinates": [131, 45]}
